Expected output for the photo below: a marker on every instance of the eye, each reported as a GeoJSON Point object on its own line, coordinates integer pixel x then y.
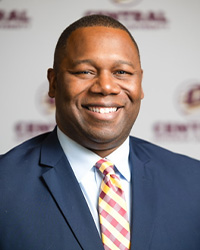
{"type": "Point", "coordinates": [122, 72]}
{"type": "Point", "coordinates": [82, 72]}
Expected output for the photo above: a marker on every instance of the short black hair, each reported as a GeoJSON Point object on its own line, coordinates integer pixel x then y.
{"type": "Point", "coordinates": [88, 21]}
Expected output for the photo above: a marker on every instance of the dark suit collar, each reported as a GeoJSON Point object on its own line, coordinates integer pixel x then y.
{"type": "Point", "coordinates": [51, 151]}
{"type": "Point", "coordinates": [143, 196]}
{"type": "Point", "coordinates": [64, 188]}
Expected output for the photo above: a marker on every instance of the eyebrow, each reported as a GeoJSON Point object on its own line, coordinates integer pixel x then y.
{"type": "Point", "coordinates": [89, 61]}
{"type": "Point", "coordinates": [124, 62]}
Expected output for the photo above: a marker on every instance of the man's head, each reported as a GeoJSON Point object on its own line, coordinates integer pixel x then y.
{"type": "Point", "coordinates": [86, 21]}
{"type": "Point", "coordinates": [96, 82]}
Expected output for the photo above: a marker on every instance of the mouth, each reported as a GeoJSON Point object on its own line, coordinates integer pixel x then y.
{"type": "Point", "coordinates": [103, 110]}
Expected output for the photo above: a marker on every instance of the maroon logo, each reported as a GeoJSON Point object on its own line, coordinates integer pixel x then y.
{"type": "Point", "coordinates": [26, 129]}
{"type": "Point", "coordinates": [137, 19]}
{"type": "Point", "coordinates": [176, 131]}
{"type": "Point", "coordinates": [14, 19]}
{"type": "Point", "coordinates": [188, 103]}
{"type": "Point", "coordinates": [46, 106]}
{"type": "Point", "coordinates": [126, 2]}
{"type": "Point", "coordinates": [189, 98]}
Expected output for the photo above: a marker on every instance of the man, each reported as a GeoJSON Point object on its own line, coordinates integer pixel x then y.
{"type": "Point", "coordinates": [50, 184]}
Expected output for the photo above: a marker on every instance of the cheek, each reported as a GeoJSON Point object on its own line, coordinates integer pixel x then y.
{"type": "Point", "coordinates": [135, 93]}
{"type": "Point", "coordinates": [64, 91]}
{"type": "Point", "coordinates": [133, 88]}
{"type": "Point", "coordinates": [71, 87]}
{"type": "Point", "coordinates": [68, 99]}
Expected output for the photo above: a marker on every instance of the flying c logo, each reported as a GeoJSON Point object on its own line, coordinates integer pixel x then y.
{"type": "Point", "coordinates": [189, 98]}
{"type": "Point", "coordinates": [188, 103]}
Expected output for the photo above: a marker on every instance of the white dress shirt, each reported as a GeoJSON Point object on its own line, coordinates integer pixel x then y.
{"type": "Point", "coordinates": [89, 178]}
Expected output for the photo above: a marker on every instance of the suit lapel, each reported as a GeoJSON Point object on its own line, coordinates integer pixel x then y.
{"type": "Point", "coordinates": [143, 198]}
{"type": "Point", "coordinates": [63, 186]}
{"type": "Point", "coordinates": [65, 189]}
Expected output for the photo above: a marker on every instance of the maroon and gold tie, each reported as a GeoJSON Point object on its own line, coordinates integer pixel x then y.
{"type": "Point", "coordinates": [113, 214]}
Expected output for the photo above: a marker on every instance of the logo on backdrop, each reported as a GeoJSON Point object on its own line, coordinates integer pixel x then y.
{"type": "Point", "coordinates": [134, 19]}
{"type": "Point", "coordinates": [187, 101]}
{"type": "Point", "coordinates": [46, 106]}
{"type": "Point", "coordinates": [125, 2]}
{"type": "Point", "coordinates": [13, 19]}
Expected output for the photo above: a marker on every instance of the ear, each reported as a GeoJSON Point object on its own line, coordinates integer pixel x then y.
{"type": "Point", "coordinates": [142, 92]}
{"type": "Point", "coordinates": [52, 82]}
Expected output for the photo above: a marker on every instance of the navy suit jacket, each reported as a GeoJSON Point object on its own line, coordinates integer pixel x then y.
{"type": "Point", "coordinates": [42, 206]}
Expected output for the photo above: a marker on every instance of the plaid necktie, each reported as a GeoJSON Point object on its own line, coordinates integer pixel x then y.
{"type": "Point", "coordinates": [113, 215]}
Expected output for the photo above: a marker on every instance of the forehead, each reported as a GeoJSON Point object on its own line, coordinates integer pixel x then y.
{"type": "Point", "coordinates": [98, 32]}
{"type": "Point", "coordinates": [100, 38]}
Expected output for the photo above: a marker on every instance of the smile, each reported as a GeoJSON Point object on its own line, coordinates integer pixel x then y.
{"type": "Point", "coordinates": [102, 110]}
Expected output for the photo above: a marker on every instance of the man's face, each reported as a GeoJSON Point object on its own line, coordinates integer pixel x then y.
{"type": "Point", "coordinates": [97, 88]}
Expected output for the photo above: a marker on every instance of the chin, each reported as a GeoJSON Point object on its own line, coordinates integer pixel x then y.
{"type": "Point", "coordinates": [104, 141]}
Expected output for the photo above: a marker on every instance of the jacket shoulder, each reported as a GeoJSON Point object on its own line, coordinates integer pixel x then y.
{"type": "Point", "coordinates": [158, 153]}
{"type": "Point", "coordinates": [22, 149]}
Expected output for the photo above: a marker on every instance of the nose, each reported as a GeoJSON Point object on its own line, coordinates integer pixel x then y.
{"type": "Point", "coordinates": [105, 84]}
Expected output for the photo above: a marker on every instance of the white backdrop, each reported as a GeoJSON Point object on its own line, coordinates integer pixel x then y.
{"type": "Point", "coordinates": [168, 36]}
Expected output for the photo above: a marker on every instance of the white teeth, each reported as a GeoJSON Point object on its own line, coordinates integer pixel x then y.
{"type": "Point", "coordinates": [102, 110]}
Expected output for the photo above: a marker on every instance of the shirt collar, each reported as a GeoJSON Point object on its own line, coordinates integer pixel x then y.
{"type": "Point", "coordinates": [82, 159]}
{"type": "Point", "coordinates": [120, 157]}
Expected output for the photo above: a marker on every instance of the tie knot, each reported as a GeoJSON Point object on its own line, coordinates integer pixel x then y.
{"type": "Point", "coordinates": [105, 167]}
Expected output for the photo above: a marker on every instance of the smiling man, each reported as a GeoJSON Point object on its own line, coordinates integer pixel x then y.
{"type": "Point", "coordinates": [97, 87]}
{"type": "Point", "coordinates": [88, 184]}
